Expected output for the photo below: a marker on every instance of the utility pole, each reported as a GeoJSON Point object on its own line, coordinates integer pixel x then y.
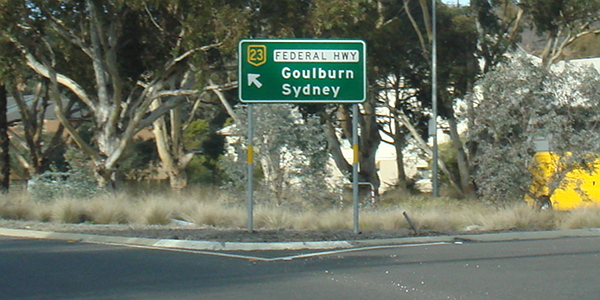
{"type": "Point", "coordinates": [434, 109]}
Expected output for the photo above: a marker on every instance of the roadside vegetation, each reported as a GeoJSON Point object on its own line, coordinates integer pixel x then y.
{"type": "Point", "coordinates": [207, 207]}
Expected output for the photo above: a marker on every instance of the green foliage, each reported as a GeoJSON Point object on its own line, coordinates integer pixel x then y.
{"type": "Point", "coordinates": [447, 154]}
{"type": "Point", "coordinates": [552, 16]}
{"type": "Point", "coordinates": [290, 151]}
{"type": "Point", "coordinates": [139, 160]}
{"type": "Point", "coordinates": [204, 170]}
{"type": "Point", "coordinates": [10, 68]}
{"type": "Point", "coordinates": [78, 182]}
{"type": "Point", "coordinates": [498, 28]}
{"type": "Point", "coordinates": [200, 136]}
{"type": "Point", "coordinates": [338, 19]}
{"type": "Point", "coordinates": [195, 133]}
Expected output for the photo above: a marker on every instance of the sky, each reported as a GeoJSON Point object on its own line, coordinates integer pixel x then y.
{"type": "Point", "coordinates": [461, 2]}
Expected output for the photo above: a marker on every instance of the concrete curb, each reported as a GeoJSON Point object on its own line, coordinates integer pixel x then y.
{"type": "Point", "coordinates": [325, 245]}
{"type": "Point", "coordinates": [485, 237]}
{"type": "Point", "coordinates": [174, 244]}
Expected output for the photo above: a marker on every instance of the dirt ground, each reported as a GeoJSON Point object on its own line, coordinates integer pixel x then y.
{"type": "Point", "coordinates": [193, 232]}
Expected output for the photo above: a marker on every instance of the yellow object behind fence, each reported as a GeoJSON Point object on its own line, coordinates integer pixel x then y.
{"type": "Point", "coordinates": [578, 188]}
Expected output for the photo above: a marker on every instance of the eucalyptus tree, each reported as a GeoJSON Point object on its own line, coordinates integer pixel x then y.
{"type": "Point", "coordinates": [348, 19]}
{"type": "Point", "coordinates": [561, 22]}
{"type": "Point", "coordinates": [118, 58]}
{"type": "Point", "coordinates": [499, 26]}
{"type": "Point", "coordinates": [202, 72]}
{"type": "Point", "coordinates": [407, 74]}
{"type": "Point", "coordinates": [398, 70]}
{"type": "Point", "coordinates": [35, 147]}
{"type": "Point", "coordinates": [398, 34]}
{"type": "Point", "coordinates": [457, 72]}
{"type": "Point", "coordinates": [29, 146]}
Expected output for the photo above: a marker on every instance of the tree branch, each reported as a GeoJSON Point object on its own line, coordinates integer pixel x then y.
{"type": "Point", "coordinates": [217, 90]}
{"type": "Point", "coordinates": [164, 107]}
{"type": "Point", "coordinates": [568, 41]}
{"type": "Point", "coordinates": [417, 31]}
{"type": "Point", "coordinates": [61, 79]}
{"type": "Point", "coordinates": [93, 154]}
{"type": "Point", "coordinates": [402, 119]}
{"type": "Point", "coordinates": [171, 63]}
{"type": "Point", "coordinates": [69, 35]}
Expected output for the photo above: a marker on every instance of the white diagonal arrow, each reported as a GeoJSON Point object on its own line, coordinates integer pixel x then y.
{"type": "Point", "coordinates": [253, 79]}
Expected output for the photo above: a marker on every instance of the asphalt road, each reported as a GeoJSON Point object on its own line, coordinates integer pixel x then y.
{"type": "Point", "coordinates": [566, 268]}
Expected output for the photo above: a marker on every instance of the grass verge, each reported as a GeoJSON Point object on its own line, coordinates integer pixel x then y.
{"type": "Point", "coordinates": [221, 210]}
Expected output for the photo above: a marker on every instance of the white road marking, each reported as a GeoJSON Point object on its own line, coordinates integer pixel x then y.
{"type": "Point", "coordinates": [282, 258]}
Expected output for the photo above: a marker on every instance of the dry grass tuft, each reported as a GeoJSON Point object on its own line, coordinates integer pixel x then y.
{"type": "Point", "coordinates": [156, 211]}
{"type": "Point", "coordinates": [213, 213]}
{"type": "Point", "coordinates": [585, 217]}
{"type": "Point", "coordinates": [273, 217]}
{"type": "Point", "coordinates": [17, 206]}
{"type": "Point", "coordinates": [335, 219]}
{"type": "Point", "coordinates": [519, 217]}
{"type": "Point", "coordinates": [305, 220]}
{"type": "Point", "coordinates": [109, 210]}
{"type": "Point", "coordinates": [66, 210]}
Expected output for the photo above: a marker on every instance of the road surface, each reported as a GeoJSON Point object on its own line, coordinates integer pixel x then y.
{"type": "Point", "coordinates": [565, 268]}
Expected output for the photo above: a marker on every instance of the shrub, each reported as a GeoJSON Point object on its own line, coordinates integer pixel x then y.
{"type": "Point", "coordinates": [52, 185]}
{"type": "Point", "coordinates": [77, 183]}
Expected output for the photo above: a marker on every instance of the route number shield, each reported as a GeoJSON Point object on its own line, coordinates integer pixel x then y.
{"type": "Point", "coordinates": [257, 55]}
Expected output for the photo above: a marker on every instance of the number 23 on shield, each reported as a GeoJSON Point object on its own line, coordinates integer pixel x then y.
{"type": "Point", "coordinates": [257, 55]}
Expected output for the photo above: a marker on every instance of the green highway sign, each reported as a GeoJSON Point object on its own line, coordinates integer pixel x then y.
{"type": "Point", "coordinates": [302, 71]}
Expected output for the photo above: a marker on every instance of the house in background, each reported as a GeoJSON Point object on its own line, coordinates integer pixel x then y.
{"type": "Point", "coordinates": [51, 124]}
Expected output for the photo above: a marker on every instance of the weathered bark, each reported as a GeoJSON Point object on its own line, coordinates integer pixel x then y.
{"type": "Point", "coordinates": [30, 140]}
{"type": "Point", "coordinates": [399, 147]}
{"type": "Point", "coordinates": [368, 144]}
{"type": "Point", "coordinates": [402, 119]}
{"type": "Point", "coordinates": [369, 140]}
{"type": "Point", "coordinates": [170, 148]}
{"type": "Point", "coordinates": [461, 160]}
{"type": "Point", "coordinates": [218, 90]}
{"type": "Point", "coordinates": [169, 138]}
{"type": "Point", "coordinates": [4, 143]}
{"type": "Point", "coordinates": [274, 174]}
{"type": "Point", "coordinates": [334, 146]}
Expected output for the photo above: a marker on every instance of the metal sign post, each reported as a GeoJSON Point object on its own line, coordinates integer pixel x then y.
{"type": "Point", "coordinates": [250, 170]}
{"type": "Point", "coordinates": [434, 91]}
{"type": "Point", "coordinates": [355, 161]}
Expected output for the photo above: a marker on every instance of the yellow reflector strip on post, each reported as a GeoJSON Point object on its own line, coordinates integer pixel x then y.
{"type": "Point", "coordinates": [250, 154]}
{"type": "Point", "coordinates": [355, 147]}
